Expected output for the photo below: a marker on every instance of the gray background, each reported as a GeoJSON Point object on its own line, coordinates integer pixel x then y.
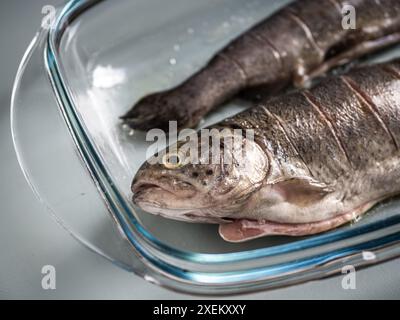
{"type": "Point", "coordinates": [30, 239]}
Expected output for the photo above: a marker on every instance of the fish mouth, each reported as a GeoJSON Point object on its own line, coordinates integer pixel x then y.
{"type": "Point", "coordinates": [159, 194]}
{"type": "Point", "coordinates": [140, 189]}
{"type": "Point", "coordinates": [196, 218]}
{"type": "Point", "coordinates": [190, 215]}
{"type": "Point", "coordinates": [145, 186]}
{"type": "Point", "coordinates": [147, 196]}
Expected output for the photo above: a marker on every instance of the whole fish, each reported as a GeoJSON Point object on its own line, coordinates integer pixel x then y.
{"type": "Point", "coordinates": [319, 159]}
{"type": "Point", "coordinates": [299, 42]}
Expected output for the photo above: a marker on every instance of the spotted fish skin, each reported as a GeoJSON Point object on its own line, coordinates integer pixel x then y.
{"type": "Point", "coordinates": [299, 42]}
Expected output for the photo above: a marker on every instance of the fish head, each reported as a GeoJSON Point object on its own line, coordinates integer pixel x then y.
{"type": "Point", "coordinates": [204, 180]}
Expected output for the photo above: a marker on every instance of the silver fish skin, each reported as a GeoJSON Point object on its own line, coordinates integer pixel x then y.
{"type": "Point", "coordinates": [320, 158]}
{"type": "Point", "coordinates": [296, 44]}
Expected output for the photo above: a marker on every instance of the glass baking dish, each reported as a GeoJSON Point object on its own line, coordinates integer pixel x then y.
{"type": "Point", "coordinates": [95, 61]}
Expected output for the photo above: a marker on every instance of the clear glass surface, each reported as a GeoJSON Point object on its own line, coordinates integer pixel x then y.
{"type": "Point", "coordinates": [74, 82]}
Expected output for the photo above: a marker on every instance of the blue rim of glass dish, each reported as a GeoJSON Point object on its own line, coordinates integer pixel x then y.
{"type": "Point", "coordinates": [121, 210]}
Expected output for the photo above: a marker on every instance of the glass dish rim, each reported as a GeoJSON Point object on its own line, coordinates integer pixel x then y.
{"type": "Point", "coordinates": [117, 202]}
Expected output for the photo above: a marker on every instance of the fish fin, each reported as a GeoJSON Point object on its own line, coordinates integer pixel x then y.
{"type": "Point", "coordinates": [347, 56]}
{"type": "Point", "coordinates": [244, 230]}
{"type": "Point", "coordinates": [301, 192]}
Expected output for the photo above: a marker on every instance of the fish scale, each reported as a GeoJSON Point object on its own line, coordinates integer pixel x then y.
{"type": "Point", "coordinates": [311, 136]}
{"type": "Point", "coordinates": [356, 124]}
{"type": "Point", "coordinates": [380, 86]}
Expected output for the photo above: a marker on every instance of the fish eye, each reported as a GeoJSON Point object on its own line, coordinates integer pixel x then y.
{"type": "Point", "coordinates": [172, 160]}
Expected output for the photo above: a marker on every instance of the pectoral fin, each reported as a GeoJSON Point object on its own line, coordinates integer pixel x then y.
{"type": "Point", "coordinates": [300, 192]}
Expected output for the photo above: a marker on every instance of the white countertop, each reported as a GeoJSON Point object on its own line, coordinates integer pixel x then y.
{"type": "Point", "coordinates": [30, 238]}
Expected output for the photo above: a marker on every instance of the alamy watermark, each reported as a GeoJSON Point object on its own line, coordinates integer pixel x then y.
{"type": "Point", "coordinates": [349, 17]}
{"type": "Point", "coordinates": [349, 278]}
{"type": "Point", "coordinates": [49, 17]}
{"type": "Point", "coordinates": [49, 277]}
{"type": "Point", "coordinates": [208, 146]}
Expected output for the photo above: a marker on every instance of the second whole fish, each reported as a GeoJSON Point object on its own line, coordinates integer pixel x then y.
{"type": "Point", "coordinates": [299, 42]}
